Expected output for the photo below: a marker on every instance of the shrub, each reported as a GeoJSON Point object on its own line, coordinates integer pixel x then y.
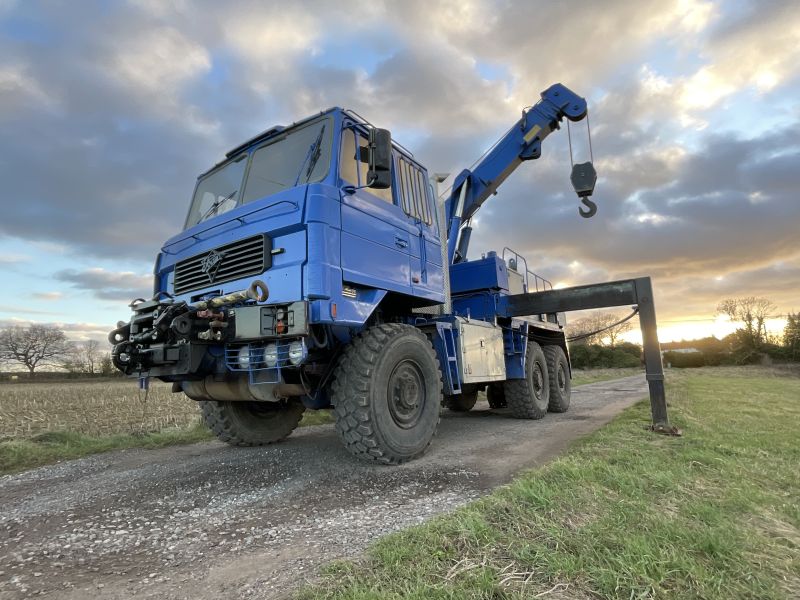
{"type": "Point", "coordinates": [594, 356]}
{"type": "Point", "coordinates": [685, 360]}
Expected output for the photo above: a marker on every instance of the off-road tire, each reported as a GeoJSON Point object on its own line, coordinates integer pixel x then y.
{"type": "Point", "coordinates": [378, 424]}
{"type": "Point", "coordinates": [463, 402]}
{"type": "Point", "coordinates": [251, 423]}
{"type": "Point", "coordinates": [496, 395]}
{"type": "Point", "coordinates": [560, 380]}
{"type": "Point", "coordinates": [528, 398]}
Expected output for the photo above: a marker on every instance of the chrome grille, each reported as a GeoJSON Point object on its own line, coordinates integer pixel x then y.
{"type": "Point", "coordinates": [239, 259]}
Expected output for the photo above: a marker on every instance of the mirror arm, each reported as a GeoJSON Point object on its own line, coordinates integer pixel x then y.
{"type": "Point", "coordinates": [351, 189]}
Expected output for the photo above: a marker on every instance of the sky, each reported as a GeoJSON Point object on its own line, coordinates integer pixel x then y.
{"type": "Point", "coordinates": [110, 110]}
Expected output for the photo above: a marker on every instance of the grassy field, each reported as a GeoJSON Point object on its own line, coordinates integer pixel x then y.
{"type": "Point", "coordinates": [94, 408]}
{"type": "Point", "coordinates": [626, 513]}
{"type": "Point", "coordinates": [41, 423]}
{"type": "Point", "coordinates": [582, 376]}
{"type": "Point", "coordinates": [45, 422]}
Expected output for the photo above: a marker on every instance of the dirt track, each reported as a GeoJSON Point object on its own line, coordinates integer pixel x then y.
{"type": "Point", "coordinates": [210, 521]}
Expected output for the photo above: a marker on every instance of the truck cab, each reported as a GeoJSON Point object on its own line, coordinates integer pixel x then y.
{"type": "Point", "coordinates": [291, 207]}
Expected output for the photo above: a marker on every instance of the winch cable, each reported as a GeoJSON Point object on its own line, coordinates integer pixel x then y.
{"type": "Point", "coordinates": [591, 333]}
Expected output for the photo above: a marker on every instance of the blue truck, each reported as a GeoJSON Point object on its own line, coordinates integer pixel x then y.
{"type": "Point", "coordinates": [318, 269]}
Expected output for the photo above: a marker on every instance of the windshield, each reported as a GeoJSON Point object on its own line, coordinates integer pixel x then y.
{"type": "Point", "coordinates": [293, 158]}
{"type": "Point", "coordinates": [300, 156]}
{"type": "Point", "coordinates": [217, 192]}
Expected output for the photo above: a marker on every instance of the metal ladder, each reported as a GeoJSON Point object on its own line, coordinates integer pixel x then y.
{"type": "Point", "coordinates": [451, 369]}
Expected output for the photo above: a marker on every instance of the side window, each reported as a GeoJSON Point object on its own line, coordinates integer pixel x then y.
{"type": "Point", "coordinates": [353, 164]}
{"type": "Point", "coordinates": [408, 197]}
{"type": "Point", "coordinates": [363, 167]}
{"type": "Point", "coordinates": [348, 163]}
{"type": "Point", "coordinates": [423, 198]}
{"type": "Point", "coordinates": [415, 200]}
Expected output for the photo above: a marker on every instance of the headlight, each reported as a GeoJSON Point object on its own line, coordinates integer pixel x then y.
{"type": "Point", "coordinates": [296, 352]}
{"type": "Point", "coordinates": [243, 357]}
{"type": "Point", "coordinates": [271, 355]}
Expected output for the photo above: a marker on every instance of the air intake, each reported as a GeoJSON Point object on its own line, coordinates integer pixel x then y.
{"type": "Point", "coordinates": [243, 258]}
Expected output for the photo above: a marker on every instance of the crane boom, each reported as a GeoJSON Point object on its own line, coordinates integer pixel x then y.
{"type": "Point", "coordinates": [471, 188]}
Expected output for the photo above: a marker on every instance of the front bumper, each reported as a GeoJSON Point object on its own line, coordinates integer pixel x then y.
{"type": "Point", "coordinates": [177, 341]}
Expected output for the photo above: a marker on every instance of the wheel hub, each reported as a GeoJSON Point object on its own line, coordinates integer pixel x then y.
{"type": "Point", "coordinates": [538, 380]}
{"type": "Point", "coordinates": [406, 394]}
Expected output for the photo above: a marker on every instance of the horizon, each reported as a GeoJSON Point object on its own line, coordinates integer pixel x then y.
{"type": "Point", "coordinates": [111, 112]}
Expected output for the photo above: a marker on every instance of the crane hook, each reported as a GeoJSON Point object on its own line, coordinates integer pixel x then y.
{"type": "Point", "coordinates": [584, 176]}
{"type": "Point", "coordinates": [590, 210]}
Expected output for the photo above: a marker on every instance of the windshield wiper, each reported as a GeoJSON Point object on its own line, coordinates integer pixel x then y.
{"type": "Point", "coordinates": [314, 152]}
{"type": "Point", "coordinates": [212, 210]}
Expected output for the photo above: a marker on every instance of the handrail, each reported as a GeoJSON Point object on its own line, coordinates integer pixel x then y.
{"type": "Point", "coordinates": [546, 284]}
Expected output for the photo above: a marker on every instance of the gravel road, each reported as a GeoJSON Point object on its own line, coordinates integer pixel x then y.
{"type": "Point", "coordinates": [211, 521]}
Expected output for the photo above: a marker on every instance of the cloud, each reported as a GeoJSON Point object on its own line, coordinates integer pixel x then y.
{"type": "Point", "coordinates": [49, 296]}
{"type": "Point", "coordinates": [24, 310]}
{"type": "Point", "coordinates": [77, 331]}
{"type": "Point", "coordinates": [685, 222]}
{"type": "Point", "coordinates": [135, 99]}
{"type": "Point", "coordinates": [108, 285]}
{"type": "Point", "coordinates": [18, 89]}
{"type": "Point", "coordinates": [13, 259]}
{"type": "Point", "coordinates": [157, 62]}
{"type": "Point", "coordinates": [757, 47]}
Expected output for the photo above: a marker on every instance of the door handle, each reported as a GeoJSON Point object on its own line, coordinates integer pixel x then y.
{"type": "Point", "coordinates": [400, 242]}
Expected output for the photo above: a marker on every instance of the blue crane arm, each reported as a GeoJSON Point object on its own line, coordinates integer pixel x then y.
{"type": "Point", "coordinates": [471, 188]}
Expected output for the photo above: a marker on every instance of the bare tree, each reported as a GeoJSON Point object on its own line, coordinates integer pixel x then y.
{"type": "Point", "coordinates": [752, 313]}
{"type": "Point", "coordinates": [107, 365]}
{"type": "Point", "coordinates": [72, 360]}
{"type": "Point", "coordinates": [83, 357]}
{"type": "Point", "coordinates": [33, 346]}
{"type": "Point", "coordinates": [599, 328]}
{"type": "Point", "coordinates": [91, 355]}
{"type": "Point", "coordinates": [583, 331]}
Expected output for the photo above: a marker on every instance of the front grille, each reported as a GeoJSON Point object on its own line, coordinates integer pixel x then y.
{"type": "Point", "coordinates": [239, 259]}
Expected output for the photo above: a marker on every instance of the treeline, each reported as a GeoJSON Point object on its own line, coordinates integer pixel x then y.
{"type": "Point", "coordinates": [595, 341]}
{"type": "Point", "coordinates": [597, 356]}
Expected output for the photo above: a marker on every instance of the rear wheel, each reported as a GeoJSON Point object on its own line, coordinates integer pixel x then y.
{"type": "Point", "coordinates": [387, 393]}
{"type": "Point", "coordinates": [251, 423]}
{"type": "Point", "coordinates": [560, 381]}
{"type": "Point", "coordinates": [463, 402]}
{"type": "Point", "coordinates": [496, 395]}
{"type": "Point", "coordinates": [528, 398]}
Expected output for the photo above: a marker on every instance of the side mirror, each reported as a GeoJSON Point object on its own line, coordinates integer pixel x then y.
{"type": "Point", "coordinates": [379, 174]}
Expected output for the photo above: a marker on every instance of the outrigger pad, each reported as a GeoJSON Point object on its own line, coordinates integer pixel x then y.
{"type": "Point", "coordinates": [583, 179]}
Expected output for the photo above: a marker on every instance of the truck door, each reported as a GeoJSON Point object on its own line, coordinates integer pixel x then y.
{"type": "Point", "coordinates": [416, 199]}
{"type": "Point", "coordinates": [375, 236]}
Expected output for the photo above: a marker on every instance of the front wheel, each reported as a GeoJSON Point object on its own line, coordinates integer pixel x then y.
{"type": "Point", "coordinates": [387, 394]}
{"type": "Point", "coordinates": [244, 423]}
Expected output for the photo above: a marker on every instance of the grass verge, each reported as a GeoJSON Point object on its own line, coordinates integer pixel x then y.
{"type": "Point", "coordinates": [625, 514]}
{"type": "Point", "coordinates": [46, 448]}
{"type": "Point", "coordinates": [583, 376]}
{"type": "Point", "coordinates": [50, 447]}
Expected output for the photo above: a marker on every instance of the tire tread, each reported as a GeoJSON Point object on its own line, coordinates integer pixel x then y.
{"type": "Point", "coordinates": [351, 390]}
{"type": "Point", "coordinates": [556, 404]}
{"type": "Point", "coordinates": [518, 394]}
